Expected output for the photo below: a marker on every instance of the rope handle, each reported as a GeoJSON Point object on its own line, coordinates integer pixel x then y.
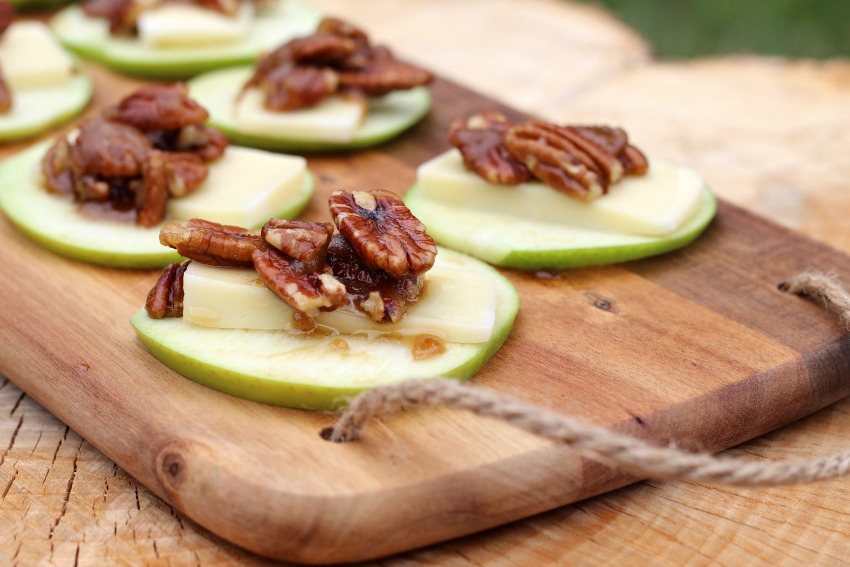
{"type": "Point", "coordinates": [628, 453]}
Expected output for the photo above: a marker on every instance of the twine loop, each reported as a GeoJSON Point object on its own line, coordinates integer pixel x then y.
{"type": "Point", "coordinates": [612, 448]}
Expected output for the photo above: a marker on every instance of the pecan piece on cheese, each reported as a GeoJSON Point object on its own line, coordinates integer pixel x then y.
{"type": "Point", "coordinates": [165, 299]}
{"type": "Point", "coordinates": [294, 267]}
{"type": "Point", "coordinates": [384, 233]}
{"type": "Point", "coordinates": [480, 139]}
{"type": "Point", "coordinates": [211, 243]}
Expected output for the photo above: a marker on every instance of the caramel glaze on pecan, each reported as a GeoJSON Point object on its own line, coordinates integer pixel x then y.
{"type": "Point", "coordinates": [581, 161]}
{"type": "Point", "coordinates": [165, 299]}
{"type": "Point", "coordinates": [383, 298]}
{"type": "Point", "coordinates": [337, 58]}
{"type": "Point", "coordinates": [383, 232]}
{"type": "Point", "coordinates": [151, 146]}
{"type": "Point", "coordinates": [211, 243]}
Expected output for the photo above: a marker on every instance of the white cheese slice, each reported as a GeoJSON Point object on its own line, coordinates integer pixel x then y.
{"type": "Point", "coordinates": [458, 305]}
{"type": "Point", "coordinates": [189, 25]}
{"type": "Point", "coordinates": [335, 119]}
{"type": "Point", "coordinates": [31, 58]}
{"type": "Point", "coordinates": [243, 186]}
{"type": "Point", "coordinates": [655, 204]}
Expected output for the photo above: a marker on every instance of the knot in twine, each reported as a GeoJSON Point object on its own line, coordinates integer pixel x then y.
{"type": "Point", "coordinates": [625, 452]}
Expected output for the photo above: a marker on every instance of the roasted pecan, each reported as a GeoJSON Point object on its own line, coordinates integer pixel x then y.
{"type": "Point", "coordinates": [227, 7]}
{"type": "Point", "coordinates": [56, 168]}
{"type": "Point", "coordinates": [382, 75]}
{"type": "Point", "coordinates": [184, 172]}
{"type": "Point", "coordinates": [633, 160]}
{"type": "Point", "coordinates": [152, 195]}
{"type": "Point", "coordinates": [554, 159]}
{"type": "Point", "coordinates": [338, 27]}
{"type": "Point", "coordinates": [159, 107]}
{"type": "Point", "coordinates": [321, 48]}
{"type": "Point", "coordinates": [383, 232]}
{"type": "Point", "coordinates": [305, 241]}
{"type": "Point", "coordinates": [7, 15]}
{"type": "Point", "coordinates": [108, 149]}
{"type": "Point", "coordinates": [165, 298]}
{"type": "Point", "coordinates": [383, 298]}
{"type": "Point", "coordinates": [297, 283]}
{"type": "Point", "coordinates": [211, 243]}
{"type": "Point", "coordinates": [5, 95]}
{"type": "Point", "coordinates": [290, 87]}
{"type": "Point", "coordinates": [480, 139]}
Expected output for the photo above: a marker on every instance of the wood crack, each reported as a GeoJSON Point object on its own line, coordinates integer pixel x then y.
{"type": "Point", "coordinates": [67, 497]}
{"type": "Point", "coordinates": [8, 449]}
{"type": "Point", "coordinates": [17, 403]}
{"type": "Point", "coordinates": [9, 485]}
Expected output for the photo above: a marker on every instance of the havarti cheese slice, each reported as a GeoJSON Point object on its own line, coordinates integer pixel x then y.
{"type": "Point", "coordinates": [655, 204]}
{"type": "Point", "coordinates": [244, 187]}
{"type": "Point", "coordinates": [189, 25]}
{"type": "Point", "coordinates": [458, 305]}
{"type": "Point", "coordinates": [335, 119]}
{"type": "Point", "coordinates": [31, 58]}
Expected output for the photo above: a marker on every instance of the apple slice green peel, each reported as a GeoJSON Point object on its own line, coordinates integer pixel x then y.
{"type": "Point", "coordinates": [305, 371]}
{"type": "Point", "coordinates": [90, 38]}
{"type": "Point", "coordinates": [56, 224]}
{"type": "Point", "coordinates": [387, 116]}
{"type": "Point", "coordinates": [514, 242]}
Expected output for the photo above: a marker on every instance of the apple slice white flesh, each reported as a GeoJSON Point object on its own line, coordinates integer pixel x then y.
{"type": "Point", "coordinates": [515, 242]}
{"type": "Point", "coordinates": [274, 24]}
{"type": "Point", "coordinates": [56, 223]}
{"type": "Point", "coordinates": [315, 371]}
{"type": "Point", "coordinates": [387, 116]}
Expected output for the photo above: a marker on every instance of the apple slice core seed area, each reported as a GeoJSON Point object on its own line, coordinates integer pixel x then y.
{"type": "Point", "coordinates": [313, 372]}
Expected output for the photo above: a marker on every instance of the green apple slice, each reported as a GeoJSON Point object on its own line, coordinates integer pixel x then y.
{"type": "Point", "coordinates": [311, 372]}
{"type": "Point", "coordinates": [514, 242]}
{"type": "Point", "coordinates": [90, 37]}
{"type": "Point", "coordinates": [387, 117]}
{"type": "Point", "coordinates": [35, 110]}
{"type": "Point", "coordinates": [56, 224]}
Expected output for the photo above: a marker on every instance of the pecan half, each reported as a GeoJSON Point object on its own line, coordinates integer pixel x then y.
{"type": "Point", "coordinates": [158, 107]}
{"type": "Point", "coordinates": [5, 96]}
{"type": "Point", "coordinates": [305, 241]}
{"type": "Point", "coordinates": [381, 75]}
{"type": "Point", "coordinates": [553, 158]}
{"type": "Point", "coordinates": [211, 243]}
{"type": "Point", "coordinates": [7, 15]}
{"type": "Point", "coordinates": [152, 195]}
{"type": "Point", "coordinates": [165, 298]}
{"type": "Point", "coordinates": [122, 14]}
{"type": "Point", "coordinates": [290, 87]}
{"type": "Point", "coordinates": [297, 284]}
{"type": "Point", "coordinates": [480, 139]}
{"type": "Point", "coordinates": [184, 172]}
{"type": "Point", "coordinates": [108, 149]}
{"type": "Point", "coordinates": [56, 168]}
{"type": "Point", "coordinates": [383, 232]}
{"type": "Point", "coordinates": [382, 298]}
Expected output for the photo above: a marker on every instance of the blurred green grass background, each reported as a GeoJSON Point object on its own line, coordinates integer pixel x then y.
{"type": "Point", "coordinates": [693, 28]}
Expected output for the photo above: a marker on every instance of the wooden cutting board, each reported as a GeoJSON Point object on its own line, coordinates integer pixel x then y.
{"type": "Point", "coordinates": [696, 348]}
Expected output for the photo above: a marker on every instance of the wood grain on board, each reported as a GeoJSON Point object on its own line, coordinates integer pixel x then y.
{"type": "Point", "coordinates": [696, 348]}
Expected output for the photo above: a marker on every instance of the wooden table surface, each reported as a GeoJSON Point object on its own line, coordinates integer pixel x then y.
{"type": "Point", "coordinates": [769, 134]}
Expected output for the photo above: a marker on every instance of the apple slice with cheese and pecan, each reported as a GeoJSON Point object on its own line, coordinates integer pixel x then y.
{"type": "Point", "coordinates": [332, 90]}
{"type": "Point", "coordinates": [296, 315]}
{"type": "Point", "coordinates": [536, 195]}
{"type": "Point", "coordinates": [101, 193]}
